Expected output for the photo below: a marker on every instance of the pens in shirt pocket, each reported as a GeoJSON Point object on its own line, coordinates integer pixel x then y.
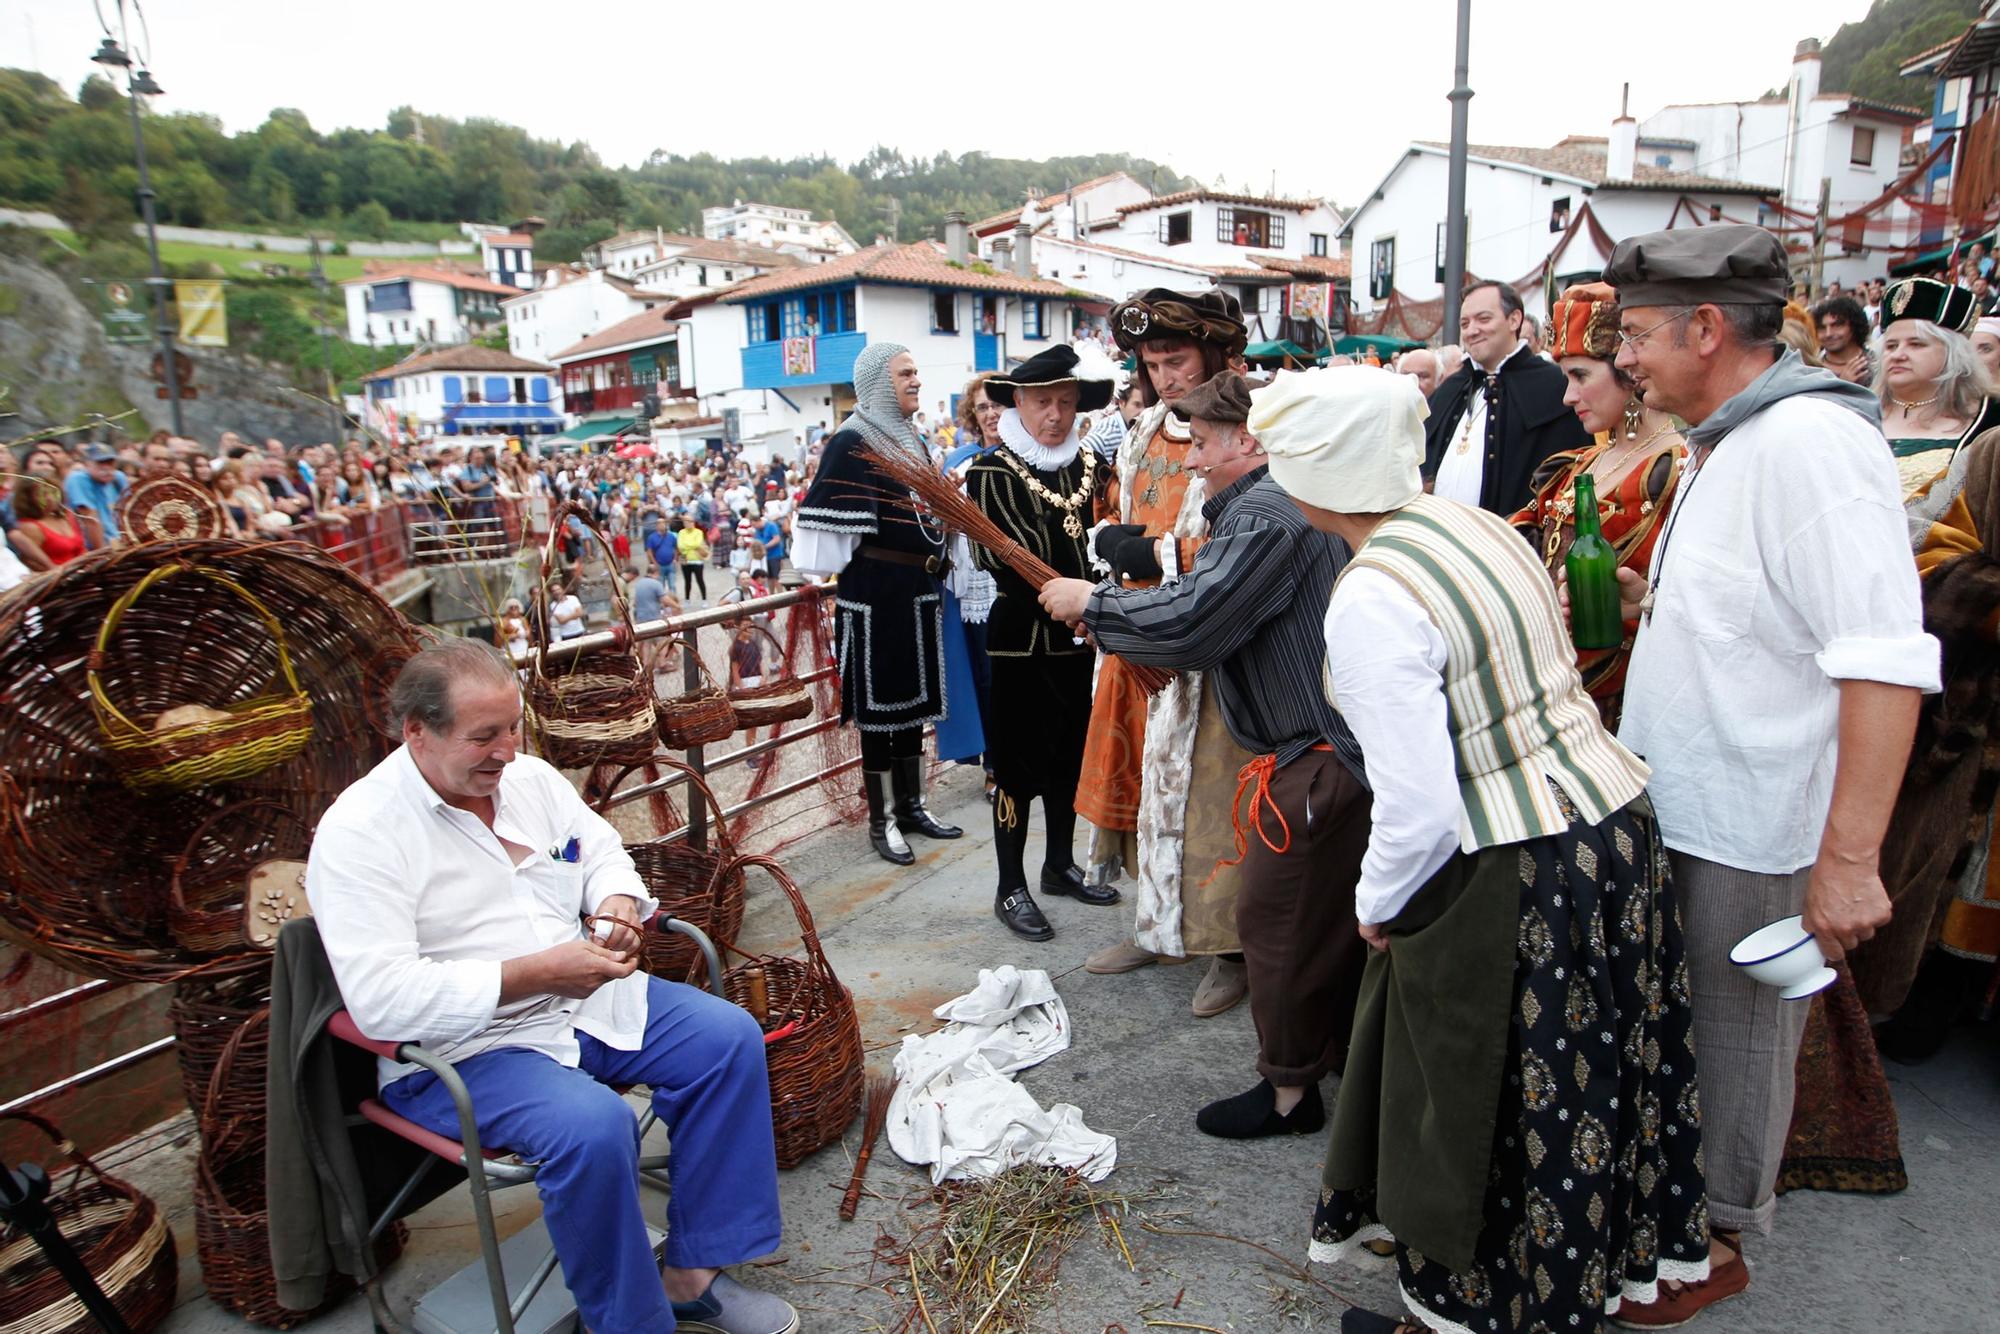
{"type": "Point", "coordinates": [568, 852]}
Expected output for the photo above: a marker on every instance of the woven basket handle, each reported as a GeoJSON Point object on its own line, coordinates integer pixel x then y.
{"type": "Point", "coordinates": [186, 859]}
{"type": "Point", "coordinates": [817, 966]}
{"type": "Point", "coordinates": [63, 1145]}
{"type": "Point", "coordinates": [218, 1080]}
{"type": "Point", "coordinates": [784, 667]}
{"type": "Point", "coordinates": [718, 824]}
{"type": "Point", "coordinates": [158, 575]}
{"type": "Point", "coordinates": [621, 604]}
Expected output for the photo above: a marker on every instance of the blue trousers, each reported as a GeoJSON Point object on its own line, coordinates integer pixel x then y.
{"type": "Point", "coordinates": [703, 1059]}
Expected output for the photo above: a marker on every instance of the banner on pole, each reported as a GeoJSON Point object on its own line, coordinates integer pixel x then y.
{"type": "Point", "coordinates": [204, 317]}
{"type": "Point", "coordinates": [122, 313]}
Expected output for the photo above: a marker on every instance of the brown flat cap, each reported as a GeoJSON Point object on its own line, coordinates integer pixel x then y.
{"type": "Point", "coordinates": [1726, 263]}
{"type": "Point", "coordinates": [1223, 397]}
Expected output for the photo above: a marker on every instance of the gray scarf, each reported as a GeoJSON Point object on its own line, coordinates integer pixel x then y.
{"type": "Point", "coordinates": [1788, 377]}
{"type": "Point", "coordinates": [876, 415]}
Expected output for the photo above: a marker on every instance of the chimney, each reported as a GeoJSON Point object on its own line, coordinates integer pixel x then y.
{"type": "Point", "coordinates": [1805, 71]}
{"type": "Point", "coordinates": [954, 236]}
{"type": "Point", "coordinates": [1024, 251]}
{"type": "Point", "coordinates": [1622, 152]}
{"type": "Point", "coordinates": [1804, 88]}
{"type": "Point", "coordinates": [1003, 253]}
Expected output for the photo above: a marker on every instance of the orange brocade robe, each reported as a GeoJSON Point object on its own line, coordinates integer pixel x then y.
{"type": "Point", "coordinates": [1108, 795]}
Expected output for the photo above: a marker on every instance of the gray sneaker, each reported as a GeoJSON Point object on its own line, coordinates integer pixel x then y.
{"type": "Point", "coordinates": [730, 1308]}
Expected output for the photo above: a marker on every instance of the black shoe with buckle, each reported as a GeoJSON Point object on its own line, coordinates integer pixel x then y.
{"type": "Point", "coordinates": [1017, 909]}
{"type": "Point", "coordinates": [1069, 883]}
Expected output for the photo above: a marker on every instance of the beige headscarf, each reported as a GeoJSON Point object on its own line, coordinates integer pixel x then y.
{"type": "Point", "coordinates": [1348, 439]}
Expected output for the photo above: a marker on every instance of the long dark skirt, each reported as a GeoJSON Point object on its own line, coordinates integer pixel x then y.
{"type": "Point", "coordinates": [1595, 1192]}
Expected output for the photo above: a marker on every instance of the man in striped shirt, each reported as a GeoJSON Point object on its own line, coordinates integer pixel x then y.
{"type": "Point", "coordinates": [1250, 613]}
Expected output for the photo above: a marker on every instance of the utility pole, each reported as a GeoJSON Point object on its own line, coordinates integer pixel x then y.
{"type": "Point", "coordinates": [112, 56]}
{"type": "Point", "coordinates": [1454, 226]}
{"type": "Point", "coordinates": [326, 348]}
{"type": "Point", "coordinates": [1818, 285]}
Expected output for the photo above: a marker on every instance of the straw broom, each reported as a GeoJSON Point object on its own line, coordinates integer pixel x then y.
{"type": "Point", "coordinates": [880, 1089]}
{"type": "Point", "coordinates": [941, 496]}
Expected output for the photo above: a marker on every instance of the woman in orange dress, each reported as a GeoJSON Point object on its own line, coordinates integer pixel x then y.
{"type": "Point", "coordinates": [1635, 461]}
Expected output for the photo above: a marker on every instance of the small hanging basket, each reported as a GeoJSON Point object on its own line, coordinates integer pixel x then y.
{"type": "Point", "coordinates": [166, 753]}
{"type": "Point", "coordinates": [698, 717]}
{"type": "Point", "coordinates": [169, 509]}
{"type": "Point", "coordinates": [206, 902]}
{"type": "Point", "coordinates": [118, 1234]}
{"type": "Point", "coordinates": [812, 1036]}
{"type": "Point", "coordinates": [700, 885]}
{"type": "Point", "coordinates": [594, 707]}
{"type": "Point", "coordinates": [779, 697]}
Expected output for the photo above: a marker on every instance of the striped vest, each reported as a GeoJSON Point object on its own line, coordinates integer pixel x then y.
{"type": "Point", "coordinates": [1518, 712]}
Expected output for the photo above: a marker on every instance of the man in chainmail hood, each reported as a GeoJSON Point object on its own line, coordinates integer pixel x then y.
{"type": "Point", "coordinates": [889, 607]}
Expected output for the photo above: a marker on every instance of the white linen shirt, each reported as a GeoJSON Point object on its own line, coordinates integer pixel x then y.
{"type": "Point", "coordinates": [1461, 476]}
{"type": "Point", "coordinates": [418, 905]}
{"type": "Point", "coordinates": [1385, 663]}
{"type": "Point", "coordinates": [1785, 569]}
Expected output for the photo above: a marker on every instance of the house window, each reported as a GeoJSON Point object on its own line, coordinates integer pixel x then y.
{"type": "Point", "coordinates": [1381, 268]}
{"type": "Point", "coordinates": [1862, 152]}
{"type": "Point", "coordinates": [1715, 213]}
{"type": "Point", "coordinates": [1177, 228]}
{"type": "Point", "coordinates": [701, 275]}
{"type": "Point", "coordinates": [794, 318]}
{"type": "Point", "coordinates": [1663, 160]}
{"type": "Point", "coordinates": [987, 308]}
{"type": "Point", "coordinates": [1316, 244]}
{"type": "Point", "coordinates": [1245, 227]}
{"type": "Point", "coordinates": [754, 315]}
{"type": "Point", "coordinates": [1034, 319]}
{"type": "Point", "coordinates": [520, 389]}
{"type": "Point", "coordinates": [944, 312]}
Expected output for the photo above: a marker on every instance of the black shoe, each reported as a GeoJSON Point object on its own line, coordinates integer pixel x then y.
{"type": "Point", "coordinates": [1254, 1115]}
{"type": "Point", "coordinates": [912, 816]}
{"type": "Point", "coordinates": [1018, 910]}
{"type": "Point", "coordinates": [1069, 883]}
{"type": "Point", "coordinates": [883, 835]}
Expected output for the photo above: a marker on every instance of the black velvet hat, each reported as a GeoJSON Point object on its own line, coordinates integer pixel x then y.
{"type": "Point", "coordinates": [1056, 365]}
{"type": "Point", "coordinates": [1162, 313]}
{"type": "Point", "coordinates": [1943, 304]}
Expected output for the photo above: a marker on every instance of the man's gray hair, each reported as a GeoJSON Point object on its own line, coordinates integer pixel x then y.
{"type": "Point", "coordinates": [1753, 325]}
{"type": "Point", "coordinates": [422, 690]}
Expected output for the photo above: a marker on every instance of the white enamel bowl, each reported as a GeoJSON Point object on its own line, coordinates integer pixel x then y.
{"type": "Point", "coordinates": [1784, 955]}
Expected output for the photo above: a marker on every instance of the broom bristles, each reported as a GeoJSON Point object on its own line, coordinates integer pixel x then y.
{"type": "Point", "coordinates": [881, 1088]}
{"type": "Point", "coordinates": [941, 496]}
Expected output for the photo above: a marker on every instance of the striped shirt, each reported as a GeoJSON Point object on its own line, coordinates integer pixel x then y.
{"type": "Point", "coordinates": [1251, 612]}
{"type": "Point", "coordinates": [1518, 712]}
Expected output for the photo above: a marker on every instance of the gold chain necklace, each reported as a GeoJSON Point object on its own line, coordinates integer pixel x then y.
{"type": "Point", "coordinates": [1067, 504]}
{"type": "Point", "coordinates": [1907, 407]}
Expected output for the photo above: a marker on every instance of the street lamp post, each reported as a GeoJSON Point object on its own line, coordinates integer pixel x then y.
{"type": "Point", "coordinates": [113, 57]}
{"type": "Point", "coordinates": [1454, 226]}
{"type": "Point", "coordinates": [333, 404]}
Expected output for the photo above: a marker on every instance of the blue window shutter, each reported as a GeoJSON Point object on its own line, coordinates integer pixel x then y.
{"type": "Point", "coordinates": [496, 389]}
{"type": "Point", "coordinates": [454, 391]}
{"type": "Point", "coordinates": [539, 389]}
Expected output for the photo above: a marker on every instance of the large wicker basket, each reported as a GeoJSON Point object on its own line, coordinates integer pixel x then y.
{"type": "Point", "coordinates": [812, 1036]}
{"type": "Point", "coordinates": [205, 902]}
{"type": "Point", "coordinates": [779, 697]}
{"type": "Point", "coordinates": [699, 716]}
{"type": "Point", "coordinates": [593, 707]}
{"type": "Point", "coordinates": [257, 732]}
{"type": "Point", "coordinates": [700, 885]}
{"type": "Point", "coordinates": [118, 1234]}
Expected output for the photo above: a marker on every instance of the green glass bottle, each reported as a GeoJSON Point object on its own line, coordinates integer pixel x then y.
{"type": "Point", "coordinates": [1592, 565]}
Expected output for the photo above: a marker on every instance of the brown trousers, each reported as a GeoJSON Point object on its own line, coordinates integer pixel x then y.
{"type": "Point", "coordinates": [1295, 917]}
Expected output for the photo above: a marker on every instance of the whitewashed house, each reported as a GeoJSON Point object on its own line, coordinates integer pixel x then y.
{"type": "Point", "coordinates": [1068, 214]}
{"type": "Point", "coordinates": [394, 304]}
{"type": "Point", "coordinates": [792, 231]}
{"type": "Point", "coordinates": [1960, 181]}
{"type": "Point", "coordinates": [691, 265]}
{"type": "Point", "coordinates": [570, 304]}
{"type": "Point", "coordinates": [467, 390]}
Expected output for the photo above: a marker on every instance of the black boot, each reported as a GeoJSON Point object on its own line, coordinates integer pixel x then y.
{"type": "Point", "coordinates": [1012, 903]}
{"type": "Point", "coordinates": [882, 832]}
{"type": "Point", "coordinates": [906, 772]}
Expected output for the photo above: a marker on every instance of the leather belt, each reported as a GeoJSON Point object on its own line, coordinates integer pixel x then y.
{"type": "Point", "coordinates": [935, 566]}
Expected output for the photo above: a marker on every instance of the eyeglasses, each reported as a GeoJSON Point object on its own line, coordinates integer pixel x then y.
{"type": "Point", "coordinates": [1633, 340]}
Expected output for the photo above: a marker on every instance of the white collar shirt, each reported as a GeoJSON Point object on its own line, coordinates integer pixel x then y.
{"type": "Point", "coordinates": [1461, 473]}
{"type": "Point", "coordinates": [1783, 570]}
{"type": "Point", "coordinates": [419, 904]}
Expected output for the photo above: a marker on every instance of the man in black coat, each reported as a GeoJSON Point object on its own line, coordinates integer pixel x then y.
{"type": "Point", "coordinates": [1501, 414]}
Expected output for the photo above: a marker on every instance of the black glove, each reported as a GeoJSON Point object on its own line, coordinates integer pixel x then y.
{"type": "Point", "coordinates": [1111, 535]}
{"type": "Point", "coordinates": [1135, 556]}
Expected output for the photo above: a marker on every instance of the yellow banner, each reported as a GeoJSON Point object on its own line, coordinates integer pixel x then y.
{"type": "Point", "coordinates": [204, 318]}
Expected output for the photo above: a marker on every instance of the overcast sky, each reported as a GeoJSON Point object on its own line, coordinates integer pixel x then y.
{"type": "Point", "coordinates": [1321, 95]}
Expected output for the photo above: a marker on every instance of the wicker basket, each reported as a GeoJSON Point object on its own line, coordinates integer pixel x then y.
{"type": "Point", "coordinates": [812, 1036]}
{"type": "Point", "coordinates": [205, 901]}
{"type": "Point", "coordinates": [779, 697]}
{"type": "Point", "coordinates": [594, 707]}
{"type": "Point", "coordinates": [264, 730]}
{"type": "Point", "coordinates": [232, 1223]}
{"type": "Point", "coordinates": [118, 1234]}
{"type": "Point", "coordinates": [697, 717]}
{"type": "Point", "coordinates": [169, 509]}
{"type": "Point", "coordinates": [700, 885]}
{"type": "Point", "coordinates": [206, 1015]}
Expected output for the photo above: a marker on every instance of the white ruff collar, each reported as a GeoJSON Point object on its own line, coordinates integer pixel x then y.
{"type": "Point", "coordinates": [1047, 458]}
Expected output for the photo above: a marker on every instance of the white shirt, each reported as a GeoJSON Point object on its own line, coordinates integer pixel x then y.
{"type": "Point", "coordinates": [1385, 664]}
{"type": "Point", "coordinates": [1462, 473]}
{"type": "Point", "coordinates": [419, 904]}
{"type": "Point", "coordinates": [1784, 569]}
{"type": "Point", "coordinates": [564, 606]}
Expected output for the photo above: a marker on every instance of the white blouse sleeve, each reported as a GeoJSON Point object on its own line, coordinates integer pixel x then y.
{"type": "Point", "coordinates": [817, 551]}
{"type": "Point", "coordinates": [1385, 672]}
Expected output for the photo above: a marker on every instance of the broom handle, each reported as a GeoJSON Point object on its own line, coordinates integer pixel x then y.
{"type": "Point", "coordinates": [852, 1200]}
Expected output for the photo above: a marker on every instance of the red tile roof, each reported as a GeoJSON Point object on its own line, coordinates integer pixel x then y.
{"type": "Point", "coordinates": [424, 273]}
{"type": "Point", "coordinates": [1318, 268]}
{"type": "Point", "coordinates": [920, 264]}
{"type": "Point", "coordinates": [465, 357]}
{"type": "Point", "coordinates": [726, 251]}
{"type": "Point", "coordinates": [1213, 197]}
{"type": "Point", "coordinates": [509, 238]}
{"type": "Point", "coordinates": [646, 326]}
{"type": "Point", "coordinates": [1588, 164]}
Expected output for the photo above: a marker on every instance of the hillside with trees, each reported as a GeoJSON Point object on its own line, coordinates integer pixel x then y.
{"type": "Point", "coordinates": [1862, 58]}
{"type": "Point", "coordinates": [420, 175]}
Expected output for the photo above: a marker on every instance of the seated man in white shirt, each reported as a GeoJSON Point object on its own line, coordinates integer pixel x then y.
{"type": "Point", "coordinates": [450, 885]}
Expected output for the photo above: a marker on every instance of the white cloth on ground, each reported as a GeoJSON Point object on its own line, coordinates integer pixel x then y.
{"type": "Point", "coordinates": [957, 1107]}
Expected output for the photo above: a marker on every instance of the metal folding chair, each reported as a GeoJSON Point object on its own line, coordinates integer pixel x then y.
{"type": "Point", "coordinates": [487, 1168]}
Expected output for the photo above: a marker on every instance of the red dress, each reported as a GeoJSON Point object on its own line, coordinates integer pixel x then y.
{"type": "Point", "coordinates": [61, 545]}
{"type": "Point", "coordinates": [1630, 517]}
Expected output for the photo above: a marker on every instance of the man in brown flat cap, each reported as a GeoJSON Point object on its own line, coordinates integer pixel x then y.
{"type": "Point", "coordinates": [1782, 614]}
{"type": "Point", "coordinates": [1249, 614]}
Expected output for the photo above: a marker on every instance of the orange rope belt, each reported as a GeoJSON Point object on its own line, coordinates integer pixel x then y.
{"type": "Point", "coordinates": [1255, 778]}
